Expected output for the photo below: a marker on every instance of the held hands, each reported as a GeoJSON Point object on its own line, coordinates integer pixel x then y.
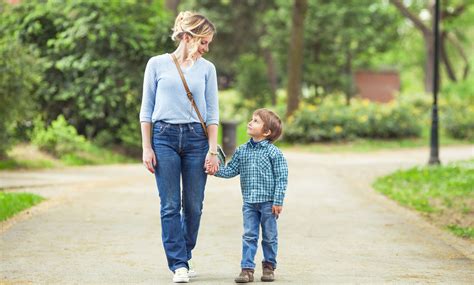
{"type": "Point", "coordinates": [149, 159]}
{"type": "Point", "coordinates": [211, 164]}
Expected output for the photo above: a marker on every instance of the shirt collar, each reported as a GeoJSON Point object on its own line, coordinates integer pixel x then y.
{"type": "Point", "coordinates": [253, 143]}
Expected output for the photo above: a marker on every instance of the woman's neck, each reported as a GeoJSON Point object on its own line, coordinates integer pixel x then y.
{"type": "Point", "coordinates": [182, 55]}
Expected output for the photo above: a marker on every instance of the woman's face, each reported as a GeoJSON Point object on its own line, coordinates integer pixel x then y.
{"type": "Point", "coordinates": [203, 46]}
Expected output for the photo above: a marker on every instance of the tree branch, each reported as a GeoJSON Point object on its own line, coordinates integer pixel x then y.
{"type": "Point", "coordinates": [416, 21]}
{"type": "Point", "coordinates": [460, 49]}
{"type": "Point", "coordinates": [445, 14]}
{"type": "Point", "coordinates": [445, 58]}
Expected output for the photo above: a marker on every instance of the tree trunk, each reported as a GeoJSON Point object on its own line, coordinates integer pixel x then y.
{"type": "Point", "coordinates": [271, 73]}
{"type": "Point", "coordinates": [428, 38]}
{"type": "Point", "coordinates": [349, 87]}
{"type": "Point", "coordinates": [172, 5]}
{"type": "Point", "coordinates": [295, 57]}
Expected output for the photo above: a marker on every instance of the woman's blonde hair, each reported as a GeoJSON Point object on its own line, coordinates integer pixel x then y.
{"type": "Point", "coordinates": [193, 24]}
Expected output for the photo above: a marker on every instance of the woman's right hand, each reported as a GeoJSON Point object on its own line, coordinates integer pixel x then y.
{"type": "Point", "coordinates": [149, 159]}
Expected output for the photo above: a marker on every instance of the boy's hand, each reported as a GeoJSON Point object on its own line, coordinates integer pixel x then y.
{"type": "Point", "coordinates": [276, 210]}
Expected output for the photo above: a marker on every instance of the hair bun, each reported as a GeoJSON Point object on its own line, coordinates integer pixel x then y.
{"type": "Point", "coordinates": [178, 24]}
{"type": "Point", "coordinates": [193, 24]}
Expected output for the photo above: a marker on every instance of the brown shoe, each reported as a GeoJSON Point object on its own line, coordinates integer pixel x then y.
{"type": "Point", "coordinates": [245, 276]}
{"type": "Point", "coordinates": [268, 274]}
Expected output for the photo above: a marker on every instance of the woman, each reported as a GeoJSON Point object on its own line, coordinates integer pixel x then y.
{"type": "Point", "coordinates": [174, 143]}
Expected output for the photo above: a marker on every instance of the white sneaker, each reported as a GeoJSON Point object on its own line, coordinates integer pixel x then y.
{"type": "Point", "coordinates": [191, 272]}
{"type": "Point", "coordinates": [181, 275]}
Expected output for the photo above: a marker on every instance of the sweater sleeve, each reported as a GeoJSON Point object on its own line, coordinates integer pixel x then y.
{"type": "Point", "coordinates": [212, 101]}
{"type": "Point", "coordinates": [149, 93]}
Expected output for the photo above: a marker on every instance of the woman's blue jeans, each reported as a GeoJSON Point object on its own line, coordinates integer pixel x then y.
{"type": "Point", "coordinates": [256, 215]}
{"type": "Point", "coordinates": [180, 151]}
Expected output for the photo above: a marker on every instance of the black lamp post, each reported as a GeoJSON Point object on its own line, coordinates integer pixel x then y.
{"type": "Point", "coordinates": [434, 145]}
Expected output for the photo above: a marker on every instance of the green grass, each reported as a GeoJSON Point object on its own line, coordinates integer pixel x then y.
{"type": "Point", "coordinates": [10, 164]}
{"type": "Point", "coordinates": [27, 156]}
{"type": "Point", "coordinates": [94, 155]}
{"type": "Point", "coordinates": [444, 193]}
{"type": "Point", "coordinates": [467, 232]}
{"type": "Point", "coordinates": [12, 203]}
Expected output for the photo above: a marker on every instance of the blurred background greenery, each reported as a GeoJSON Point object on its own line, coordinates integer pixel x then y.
{"type": "Point", "coordinates": [72, 71]}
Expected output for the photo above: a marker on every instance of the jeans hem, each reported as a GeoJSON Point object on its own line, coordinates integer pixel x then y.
{"type": "Point", "coordinates": [274, 265]}
{"type": "Point", "coordinates": [247, 266]}
{"type": "Point", "coordinates": [179, 265]}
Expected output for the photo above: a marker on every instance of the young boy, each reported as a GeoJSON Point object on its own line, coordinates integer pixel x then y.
{"type": "Point", "coordinates": [263, 178]}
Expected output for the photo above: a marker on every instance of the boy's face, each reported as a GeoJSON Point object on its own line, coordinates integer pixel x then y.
{"type": "Point", "coordinates": [255, 129]}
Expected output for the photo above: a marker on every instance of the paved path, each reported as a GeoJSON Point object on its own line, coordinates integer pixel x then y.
{"type": "Point", "coordinates": [101, 225]}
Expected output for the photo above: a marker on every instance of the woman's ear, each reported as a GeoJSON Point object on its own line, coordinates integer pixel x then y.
{"type": "Point", "coordinates": [187, 37]}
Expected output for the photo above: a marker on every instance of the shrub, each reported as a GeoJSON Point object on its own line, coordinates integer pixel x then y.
{"type": "Point", "coordinates": [94, 55]}
{"type": "Point", "coordinates": [334, 120]}
{"type": "Point", "coordinates": [457, 119]}
{"type": "Point", "coordinates": [59, 138]}
{"type": "Point", "coordinates": [18, 78]}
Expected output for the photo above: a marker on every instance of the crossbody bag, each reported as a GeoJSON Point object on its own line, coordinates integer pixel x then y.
{"type": "Point", "coordinates": [220, 152]}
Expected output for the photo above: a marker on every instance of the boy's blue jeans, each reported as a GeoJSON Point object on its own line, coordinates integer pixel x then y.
{"type": "Point", "coordinates": [256, 215]}
{"type": "Point", "coordinates": [180, 150]}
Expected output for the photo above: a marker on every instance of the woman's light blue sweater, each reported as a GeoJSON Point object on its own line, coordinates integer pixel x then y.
{"type": "Point", "coordinates": [164, 97]}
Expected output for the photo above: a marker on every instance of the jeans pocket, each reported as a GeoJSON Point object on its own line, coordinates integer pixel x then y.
{"type": "Point", "coordinates": [159, 128]}
{"type": "Point", "coordinates": [198, 131]}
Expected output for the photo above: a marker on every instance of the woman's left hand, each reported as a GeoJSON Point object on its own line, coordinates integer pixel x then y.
{"type": "Point", "coordinates": [211, 164]}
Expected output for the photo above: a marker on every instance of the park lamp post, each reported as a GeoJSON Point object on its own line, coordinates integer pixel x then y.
{"type": "Point", "coordinates": [434, 142]}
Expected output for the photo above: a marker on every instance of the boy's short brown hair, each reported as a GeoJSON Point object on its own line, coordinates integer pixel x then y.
{"type": "Point", "coordinates": [271, 122]}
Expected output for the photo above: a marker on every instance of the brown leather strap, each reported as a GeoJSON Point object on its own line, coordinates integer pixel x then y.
{"type": "Point", "coordinates": [189, 94]}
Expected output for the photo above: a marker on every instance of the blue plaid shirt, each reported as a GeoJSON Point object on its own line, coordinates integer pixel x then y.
{"type": "Point", "coordinates": [263, 172]}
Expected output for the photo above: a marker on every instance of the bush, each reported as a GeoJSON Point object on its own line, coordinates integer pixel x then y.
{"type": "Point", "coordinates": [334, 120]}
{"type": "Point", "coordinates": [461, 90]}
{"type": "Point", "coordinates": [59, 139]}
{"type": "Point", "coordinates": [457, 119]}
{"type": "Point", "coordinates": [455, 109]}
{"type": "Point", "coordinates": [94, 55]}
{"type": "Point", "coordinates": [130, 135]}
{"type": "Point", "coordinates": [18, 78]}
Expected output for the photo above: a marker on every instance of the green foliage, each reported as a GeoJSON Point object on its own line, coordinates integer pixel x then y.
{"type": "Point", "coordinates": [239, 30]}
{"type": "Point", "coordinates": [458, 120]}
{"type": "Point", "coordinates": [59, 138]}
{"type": "Point", "coordinates": [18, 77]}
{"type": "Point", "coordinates": [340, 36]}
{"type": "Point", "coordinates": [333, 119]}
{"type": "Point", "coordinates": [130, 137]}
{"type": "Point", "coordinates": [252, 82]}
{"type": "Point", "coordinates": [455, 109]}
{"type": "Point", "coordinates": [12, 164]}
{"type": "Point", "coordinates": [12, 203]}
{"type": "Point", "coordinates": [95, 53]}
{"type": "Point", "coordinates": [63, 141]}
{"type": "Point", "coordinates": [435, 190]}
{"type": "Point", "coordinates": [463, 90]}
{"type": "Point", "coordinates": [465, 232]}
